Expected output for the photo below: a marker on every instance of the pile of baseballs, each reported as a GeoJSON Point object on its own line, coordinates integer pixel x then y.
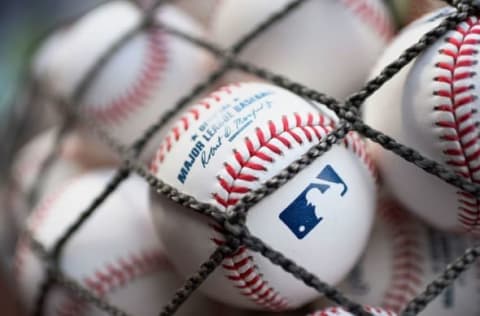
{"type": "Point", "coordinates": [358, 217]}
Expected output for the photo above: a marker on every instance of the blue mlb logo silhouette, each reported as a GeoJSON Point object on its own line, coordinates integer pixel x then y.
{"type": "Point", "coordinates": [302, 215]}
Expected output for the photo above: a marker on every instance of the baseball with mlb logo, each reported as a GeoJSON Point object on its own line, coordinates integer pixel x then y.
{"type": "Point", "coordinates": [228, 145]}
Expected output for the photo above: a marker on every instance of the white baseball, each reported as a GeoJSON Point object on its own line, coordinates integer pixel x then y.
{"type": "Point", "coordinates": [402, 257]}
{"type": "Point", "coordinates": [339, 311]}
{"type": "Point", "coordinates": [314, 45]}
{"type": "Point", "coordinates": [115, 254]}
{"type": "Point", "coordinates": [142, 80]}
{"type": "Point", "coordinates": [431, 106]}
{"type": "Point", "coordinates": [228, 145]}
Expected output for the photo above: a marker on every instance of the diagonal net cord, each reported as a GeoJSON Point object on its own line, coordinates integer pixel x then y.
{"type": "Point", "coordinates": [194, 282]}
{"type": "Point", "coordinates": [446, 279]}
{"type": "Point", "coordinates": [52, 263]}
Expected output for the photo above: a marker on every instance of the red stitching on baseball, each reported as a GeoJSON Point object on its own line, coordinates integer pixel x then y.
{"type": "Point", "coordinates": [408, 259]}
{"type": "Point", "coordinates": [117, 274]}
{"type": "Point", "coordinates": [317, 123]}
{"type": "Point", "coordinates": [372, 15]}
{"type": "Point", "coordinates": [312, 128]}
{"type": "Point", "coordinates": [193, 114]}
{"type": "Point", "coordinates": [114, 276]}
{"type": "Point", "coordinates": [460, 133]}
{"type": "Point", "coordinates": [143, 87]}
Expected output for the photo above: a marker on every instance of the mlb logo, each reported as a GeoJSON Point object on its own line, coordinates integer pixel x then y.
{"type": "Point", "coordinates": [303, 214]}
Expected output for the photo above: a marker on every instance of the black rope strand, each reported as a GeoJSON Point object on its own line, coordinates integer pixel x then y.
{"type": "Point", "coordinates": [451, 273]}
{"type": "Point", "coordinates": [40, 251]}
{"type": "Point", "coordinates": [194, 282]}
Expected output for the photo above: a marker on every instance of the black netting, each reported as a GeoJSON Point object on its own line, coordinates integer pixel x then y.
{"type": "Point", "coordinates": [234, 226]}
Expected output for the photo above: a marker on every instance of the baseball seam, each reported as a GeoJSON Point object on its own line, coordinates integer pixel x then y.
{"type": "Point", "coordinates": [407, 261]}
{"type": "Point", "coordinates": [453, 88]}
{"type": "Point", "coordinates": [372, 15]}
{"type": "Point", "coordinates": [136, 96]}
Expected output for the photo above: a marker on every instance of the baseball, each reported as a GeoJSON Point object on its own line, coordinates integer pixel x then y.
{"type": "Point", "coordinates": [339, 311]}
{"type": "Point", "coordinates": [228, 145]}
{"type": "Point", "coordinates": [116, 254]}
{"type": "Point", "coordinates": [431, 106]}
{"type": "Point", "coordinates": [142, 80]}
{"type": "Point", "coordinates": [403, 257]}
{"type": "Point", "coordinates": [44, 58]}
{"type": "Point", "coordinates": [314, 45]}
